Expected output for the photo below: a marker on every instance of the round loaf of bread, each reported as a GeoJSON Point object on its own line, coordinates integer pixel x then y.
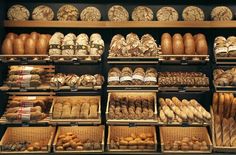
{"type": "Point", "coordinates": [118, 13]}
{"type": "Point", "coordinates": [221, 13]}
{"type": "Point", "coordinates": [18, 12]}
{"type": "Point", "coordinates": [68, 13]}
{"type": "Point", "coordinates": [90, 14]}
{"type": "Point", "coordinates": [43, 12]}
{"type": "Point", "coordinates": [167, 14]}
{"type": "Point", "coordinates": [142, 13]}
{"type": "Point", "coordinates": [193, 13]}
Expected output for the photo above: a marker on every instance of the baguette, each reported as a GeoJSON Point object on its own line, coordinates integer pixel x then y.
{"type": "Point", "coordinates": [232, 132]}
{"type": "Point", "coordinates": [226, 132]}
{"type": "Point", "coordinates": [221, 105]}
{"type": "Point", "coordinates": [218, 130]}
{"type": "Point", "coordinates": [169, 113]}
{"type": "Point", "coordinates": [215, 103]}
{"type": "Point", "coordinates": [163, 116]}
{"type": "Point", "coordinates": [227, 105]}
{"type": "Point", "coordinates": [233, 108]}
{"type": "Point", "coordinates": [176, 109]}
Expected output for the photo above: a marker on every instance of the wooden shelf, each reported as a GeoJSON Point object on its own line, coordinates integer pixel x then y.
{"type": "Point", "coordinates": [126, 24]}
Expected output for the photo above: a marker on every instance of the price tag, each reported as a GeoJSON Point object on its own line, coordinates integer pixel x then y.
{"type": "Point", "coordinates": [185, 124]}
{"type": "Point", "coordinates": [73, 89]}
{"type": "Point", "coordinates": [132, 124]}
{"type": "Point", "coordinates": [76, 62]}
{"type": "Point", "coordinates": [182, 89]}
{"type": "Point", "coordinates": [24, 61]}
{"type": "Point", "coordinates": [23, 90]}
{"type": "Point", "coordinates": [184, 62]}
{"type": "Point", "coordinates": [73, 123]}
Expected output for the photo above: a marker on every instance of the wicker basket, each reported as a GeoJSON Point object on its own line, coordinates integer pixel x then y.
{"type": "Point", "coordinates": [152, 121]}
{"type": "Point", "coordinates": [215, 147]}
{"type": "Point", "coordinates": [31, 134]}
{"type": "Point", "coordinates": [124, 131]}
{"type": "Point", "coordinates": [177, 133]}
{"type": "Point", "coordinates": [78, 120]}
{"type": "Point", "coordinates": [95, 133]}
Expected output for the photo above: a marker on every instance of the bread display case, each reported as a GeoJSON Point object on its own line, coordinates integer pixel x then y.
{"type": "Point", "coordinates": [120, 77]}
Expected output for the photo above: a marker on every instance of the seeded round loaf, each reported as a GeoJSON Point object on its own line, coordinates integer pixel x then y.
{"type": "Point", "coordinates": [118, 13]}
{"type": "Point", "coordinates": [221, 13]}
{"type": "Point", "coordinates": [18, 12]}
{"type": "Point", "coordinates": [142, 13]}
{"type": "Point", "coordinates": [42, 12]}
{"type": "Point", "coordinates": [68, 13]}
{"type": "Point", "coordinates": [90, 14]}
{"type": "Point", "coordinates": [193, 13]}
{"type": "Point", "coordinates": [167, 14]}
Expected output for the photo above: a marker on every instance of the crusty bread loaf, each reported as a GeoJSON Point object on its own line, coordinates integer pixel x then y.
{"type": "Point", "coordinates": [189, 44]}
{"type": "Point", "coordinates": [215, 103]}
{"type": "Point", "coordinates": [232, 132]}
{"type": "Point", "coordinates": [221, 105]}
{"type": "Point", "coordinates": [178, 44]}
{"type": "Point", "coordinates": [227, 105]}
{"type": "Point", "coordinates": [11, 36]}
{"type": "Point", "coordinates": [226, 132]}
{"type": "Point", "coordinates": [201, 47]}
{"type": "Point", "coordinates": [7, 46]}
{"type": "Point", "coordinates": [30, 45]}
{"type": "Point", "coordinates": [18, 47]}
{"type": "Point", "coordinates": [166, 44]}
{"type": "Point", "coordinates": [233, 108]}
{"type": "Point", "coordinates": [218, 130]}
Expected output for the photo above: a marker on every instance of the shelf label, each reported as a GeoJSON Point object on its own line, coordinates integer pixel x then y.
{"type": "Point", "coordinates": [185, 124]}
{"type": "Point", "coordinates": [132, 124]}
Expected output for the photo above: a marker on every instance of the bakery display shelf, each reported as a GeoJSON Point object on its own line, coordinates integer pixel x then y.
{"type": "Point", "coordinates": [67, 59]}
{"type": "Point", "coordinates": [126, 24]}
{"type": "Point", "coordinates": [24, 59]}
{"type": "Point", "coordinates": [215, 147]}
{"type": "Point", "coordinates": [225, 88]}
{"type": "Point", "coordinates": [94, 133]}
{"type": "Point", "coordinates": [132, 60]}
{"type": "Point", "coordinates": [4, 121]}
{"type": "Point", "coordinates": [133, 122]}
{"type": "Point", "coordinates": [225, 60]}
{"type": "Point", "coordinates": [184, 59]}
{"type": "Point", "coordinates": [183, 89]}
{"type": "Point", "coordinates": [185, 124]}
{"type": "Point", "coordinates": [74, 89]}
{"type": "Point", "coordinates": [43, 87]}
{"type": "Point", "coordinates": [168, 134]}
{"type": "Point", "coordinates": [142, 88]}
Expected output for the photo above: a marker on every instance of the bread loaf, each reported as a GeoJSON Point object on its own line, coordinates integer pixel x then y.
{"type": "Point", "coordinates": [166, 44]}
{"type": "Point", "coordinates": [218, 130]}
{"type": "Point", "coordinates": [23, 36]}
{"type": "Point", "coordinates": [189, 44]}
{"type": "Point", "coordinates": [221, 104]}
{"type": "Point", "coordinates": [34, 35]}
{"type": "Point", "coordinates": [30, 45]}
{"type": "Point", "coordinates": [7, 46]}
{"type": "Point", "coordinates": [18, 47]}
{"type": "Point", "coordinates": [11, 36]}
{"type": "Point", "coordinates": [201, 47]}
{"type": "Point", "coordinates": [226, 132]}
{"type": "Point", "coordinates": [227, 105]}
{"type": "Point", "coordinates": [178, 45]}
{"type": "Point", "coordinates": [215, 103]}
{"type": "Point", "coordinates": [42, 45]}
{"type": "Point", "coordinates": [232, 132]}
{"type": "Point", "coordinates": [233, 108]}
{"type": "Point", "coordinates": [198, 37]}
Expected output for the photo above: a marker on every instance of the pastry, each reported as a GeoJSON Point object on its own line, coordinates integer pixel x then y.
{"type": "Point", "coordinates": [68, 13]}
{"type": "Point", "coordinates": [43, 12]}
{"type": "Point", "coordinates": [18, 12]}
{"type": "Point", "coordinates": [221, 13]}
{"type": "Point", "coordinates": [90, 14]}
{"type": "Point", "coordinates": [118, 13]}
{"type": "Point", "coordinates": [142, 13]}
{"type": "Point", "coordinates": [193, 13]}
{"type": "Point", "coordinates": [167, 14]}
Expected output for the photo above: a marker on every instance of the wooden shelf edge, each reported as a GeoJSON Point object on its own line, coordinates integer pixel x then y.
{"type": "Point", "coordinates": [126, 24]}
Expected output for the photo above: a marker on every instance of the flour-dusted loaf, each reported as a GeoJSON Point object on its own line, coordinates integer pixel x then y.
{"type": "Point", "coordinates": [18, 12]}
{"type": "Point", "coordinates": [193, 13]}
{"type": "Point", "coordinates": [118, 13]}
{"type": "Point", "coordinates": [68, 12]}
{"type": "Point", "coordinates": [221, 13]}
{"type": "Point", "coordinates": [43, 12]}
{"type": "Point", "coordinates": [142, 13]}
{"type": "Point", "coordinates": [90, 14]}
{"type": "Point", "coordinates": [167, 14]}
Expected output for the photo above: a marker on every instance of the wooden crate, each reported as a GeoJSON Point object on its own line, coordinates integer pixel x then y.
{"type": "Point", "coordinates": [28, 96]}
{"type": "Point", "coordinates": [32, 134]}
{"type": "Point", "coordinates": [123, 131]}
{"type": "Point", "coordinates": [96, 133]}
{"type": "Point", "coordinates": [135, 121]}
{"type": "Point", "coordinates": [215, 147]}
{"type": "Point", "coordinates": [176, 133]}
{"type": "Point", "coordinates": [78, 120]}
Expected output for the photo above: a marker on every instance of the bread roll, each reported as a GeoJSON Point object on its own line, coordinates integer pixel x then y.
{"type": "Point", "coordinates": [201, 47]}
{"type": "Point", "coordinates": [23, 36]}
{"type": "Point", "coordinates": [34, 35]}
{"type": "Point", "coordinates": [11, 36]}
{"type": "Point", "coordinates": [189, 44]}
{"type": "Point", "coordinates": [178, 45]}
{"type": "Point", "coordinates": [18, 47]}
{"type": "Point", "coordinates": [42, 45]}
{"type": "Point", "coordinates": [166, 44]}
{"type": "Point", "coordinates": [7, 46]}
{"type": "Point", "coordinates": [30, 45]}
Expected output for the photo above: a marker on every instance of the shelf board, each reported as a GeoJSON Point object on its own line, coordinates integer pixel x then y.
{"type": "Point", "coordinates": [126, 24]}
{"type": "Point", "coordinates": [141, 88]}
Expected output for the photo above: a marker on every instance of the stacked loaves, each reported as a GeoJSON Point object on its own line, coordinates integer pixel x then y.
{"type": "Point", "coordinates": [70, 45]}
{"type": "Point", "coordinates": [225, 47]}
{"type": "Point", "coordinates": [225, 77]}
{"type": "Point", "coordinates": [25, 44]}
{"type": "Point", "coordinates": [131, 107]}
{"type": "Point", "coordinates": [71, 142]}
{"type": "Point", "coordinates": [75, 108]}
{"type": "Point", "coordinates": [25, 76]}
{"type": "Point", "coordinates": [132, 46]}
{"type": "Point", "coordinates": [127, 76]}
{"type": "Point", "coordinates": [186, 45]}
{"type": "Point", "coordinates": [182, 79]}
{"type": "Point", "coordinates": [224, 109]}
{"type": "Point", "coordinates": [75, 81]}
{"type": "Point", "coordinates": [174, 110]}
{"type": "Point", "coordinates": [138, 141]}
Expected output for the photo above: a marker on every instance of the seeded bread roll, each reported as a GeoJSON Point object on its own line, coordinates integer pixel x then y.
{"type": "Point", "coordinates": [18, 12]}
{"type": "Point", "coordinates": [221, 13]}
{"type": "Point", "coordinates": [68, 13]}
{"type": "Point", "coordinates": [118, 13]}
{"type": "Point", "coordinates": [193, 13]}
{"type": "Point", "coordinates": [167, 14]}
{"type": "Point", "coordinates": [142, 13]}
{"type": "Point", "coordinates": [42, 12]}
{"type": "Point", "coordinates": [90, 14]}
